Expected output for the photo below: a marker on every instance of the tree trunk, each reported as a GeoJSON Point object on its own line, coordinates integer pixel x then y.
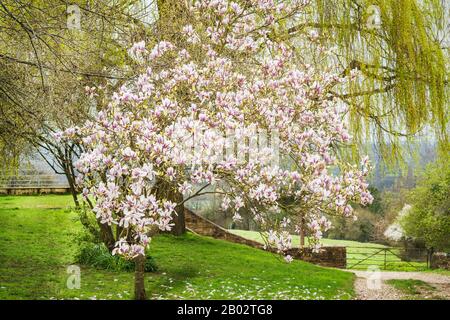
{"type": "Point", "coordinates": [72, 180]}
{"type": "Point", "coordinates": [73, 191]}
{"type": "Point", "coordinates": [172, 17]}
{"type": "Point", "coordinates": [107, 236]}
{"type": "Point", "coordinates": [179, 220]}
{"type": "Point", "coordinates": [430, 253]}
{"type": "Point", "coordinates": [169, 191]}
{"type": "Point", "coordinates": [302, 232]}
{"type": "Point", "coordinates": [178, 216]}
{"type": "Point", "coordinates": [139, 277]}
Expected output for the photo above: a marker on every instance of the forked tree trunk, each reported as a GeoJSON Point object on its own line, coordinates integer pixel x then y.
{"type": "Point", "coordinates": [73, 190]}
{"type": "Point", "coordinates": [139, 278]}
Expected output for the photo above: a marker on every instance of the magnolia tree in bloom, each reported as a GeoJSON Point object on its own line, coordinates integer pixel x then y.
{"type": "Point", "coordinates": [234, 110]}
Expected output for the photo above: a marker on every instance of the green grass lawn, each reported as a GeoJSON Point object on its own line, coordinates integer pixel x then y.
{"type": "Point", "coordinates": [37, 243]}
{"type": "Point", "coordinates": [356, 251]}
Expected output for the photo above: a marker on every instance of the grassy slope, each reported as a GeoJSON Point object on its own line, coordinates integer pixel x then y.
{"type": "Point", "coordinates": [37, 244]}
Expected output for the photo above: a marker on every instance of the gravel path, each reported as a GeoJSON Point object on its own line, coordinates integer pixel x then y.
{"type": "Point", "coordinates": [383, 292]}
{"type": "Point", "coordinates": [372, 286]}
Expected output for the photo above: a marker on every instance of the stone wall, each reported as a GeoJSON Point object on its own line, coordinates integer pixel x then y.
{"type": "Point", "coordinates": [328, 256]}
{"type": "Point", "coordinates": [440, 260]}
{"type": "Point", "coordinates": [33, 190]}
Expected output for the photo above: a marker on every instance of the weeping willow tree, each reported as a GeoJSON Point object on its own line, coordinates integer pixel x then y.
{"type": "Point", "coordinates": [398, 48]}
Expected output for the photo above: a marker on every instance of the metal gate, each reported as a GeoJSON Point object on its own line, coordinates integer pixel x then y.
{"type": "Point", "coordinates": [387, 258]}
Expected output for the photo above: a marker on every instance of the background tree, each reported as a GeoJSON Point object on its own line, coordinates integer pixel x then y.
{"type": "Point", "coordinates": [429, 218]}
{"type": "Point", "coordinates": [50, 51]}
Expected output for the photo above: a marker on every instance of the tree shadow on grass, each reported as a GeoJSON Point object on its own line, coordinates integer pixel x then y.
{"type": "Point", "coordinates": [164, 282]}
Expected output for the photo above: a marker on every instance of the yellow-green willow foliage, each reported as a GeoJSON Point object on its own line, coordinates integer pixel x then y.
{"type": "Point", "coordinates": [398, 48]}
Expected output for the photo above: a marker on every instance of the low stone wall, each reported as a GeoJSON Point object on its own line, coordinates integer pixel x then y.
{"type": "Point", "coordinates": [327, 256]}
{"type": "Point", "coordinates": [440, 260]}
{"type": "Point", "coordinates": [33, 190]}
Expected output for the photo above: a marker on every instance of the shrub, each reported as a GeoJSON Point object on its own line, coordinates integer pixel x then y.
{"type": "Point", "coordinates": [98, 256]}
